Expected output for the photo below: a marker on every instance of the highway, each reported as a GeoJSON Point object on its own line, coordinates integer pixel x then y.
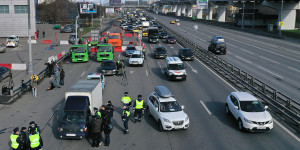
{"type": "Point", "coordinates": [203, 94]}
{"type": "Point", "coordinates": [273, 61]}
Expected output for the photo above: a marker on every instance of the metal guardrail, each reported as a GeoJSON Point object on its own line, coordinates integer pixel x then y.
{"type": "Point", "coordinates": [282, 105]}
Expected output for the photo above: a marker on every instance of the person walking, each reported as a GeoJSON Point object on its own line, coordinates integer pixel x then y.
{"type": "Point", "coordinates": [44, 34]}
{"type": "Point", "coordinates": [23, 85]}
{"type": "Point", "coordinates": [96, 131]}
{"type": "Point", "coordinates": [62, 77]}
{"type": "Point", "coordinates": [126, 100]}
{"type": "Point", "coordinates": [34, 126]}
{"type": "Point", "coordinates": [35, 141]}
{"type": "Point", "coordinates": [139, 108]}
{"type": "Point", "coordinates": [107, 130]}
{"type": "Point", "coordinates": [125, 119]}
{"type": "Point", "coordinates": [111, 109]}
{"type": "Point", "coordinates": [15, 139]}
{"type": "Point", "coordinates": [23, 139]}
{"type": "Point", "coordinates": [34, 83]}
{"type": "Point", "coordinates": [38, 33]}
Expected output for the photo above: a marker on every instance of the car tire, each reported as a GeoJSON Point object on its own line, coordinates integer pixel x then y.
{"type": "Point", "coordinates": [240, 125]}
{"type": "Point", "coordinates": [142, 65]}
{"type": "Point", "coordinates": [224, 53]}
{"type": "Point", "coordinates": [227, 111]}
{"type": "Point", "coordinates": [160, 128]}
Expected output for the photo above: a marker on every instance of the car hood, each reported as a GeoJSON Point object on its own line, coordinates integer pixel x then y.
{"type": "Point", "coordinates": [172, 39]}
{"type": "Point", "coordinates": [257, 116]}
{"type": "Point", "coordinates": [160, 52]}
{"type": "Point", "coordinates": [108, 67]}
{"type": "Point", "coordinates": [135, 59]}
{"type": "Point", "coordinates": [174, 116]}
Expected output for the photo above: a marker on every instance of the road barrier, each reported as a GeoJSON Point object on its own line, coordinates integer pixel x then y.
{"type": "Point", "coordinates": [46, 41]}
{"type": "Point", "coordinates": [62, 42]}
{"type": "Point", "coordinates": [283, 106]}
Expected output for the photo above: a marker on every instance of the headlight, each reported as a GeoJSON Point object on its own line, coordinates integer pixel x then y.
{"type": "Point", "coordinates": [60, 129]}
{"type": "Point", "coordinates": [114, 70]}
{"type": "Point", "coordinates": [81, 130]}
{"type": "Point", "coordinates": [166, 120]}
{"type": "Point", "coordinates": [171, 73]}
{"type": "Point", "coordinates": [271, 121]}
{"type": "Point", "coordinates": [248, 121]}
{"type": "Point", "coordinates": [186, 119]}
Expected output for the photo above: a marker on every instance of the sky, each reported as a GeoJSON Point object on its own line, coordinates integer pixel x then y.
{"type": "Point", "coordinates": [102, 1]}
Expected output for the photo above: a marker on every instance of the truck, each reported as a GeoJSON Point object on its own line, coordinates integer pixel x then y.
{"type": "Point", "coordinates": [104, 52]}
{"type": "Point", "coordinates": [153, 35]}
{"type": "Point", "coordinates": [80, 101]}
{"type": "Point", "coordinates": [79, 53]}
{"type": "Point", "coordinates": [115, 39]}
{"type": "Point", "coordinates": [145, 25]}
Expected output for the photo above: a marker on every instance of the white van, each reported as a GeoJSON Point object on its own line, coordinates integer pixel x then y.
{"type": "Point", "coordinates": [174, 69]}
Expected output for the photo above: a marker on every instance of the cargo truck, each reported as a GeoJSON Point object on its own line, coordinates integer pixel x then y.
{"type": "Point", "coordinates": [80, 101]}
{"type": "Point", "coordinates": [153, 35]}
{"type": "Point", "coordinates": [79, 53]}
{"type": "Point", "coordinates": [104, 52]}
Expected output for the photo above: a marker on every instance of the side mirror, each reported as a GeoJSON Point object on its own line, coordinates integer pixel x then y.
{"type": "Point", "coordinates": [237, 108]}
{"type": "Point", "coordinates": [156, 108]}
{"type": "Point", "coordinates": [182, 107]}
{"type": "Point", "coordinates": [266, 107]}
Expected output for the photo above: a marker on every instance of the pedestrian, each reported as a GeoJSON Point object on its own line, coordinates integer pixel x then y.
{"type": "Point", "coordinates": [34, 83]}
{"type": "Point", "coordinates": [56, 68]}
{"type": "Point", "coordinates": [44, 34]}
{"type": "Point", "coordinates": [35, 141]}
{"type": "Point", "coordinates": [104, 116]}
{"type": "Point", "coordinates": [62, 77]}
{"type": "Point", "coordinates": [38, 33]}
{"type": "Point", "coordinates": [117, 64]}
{"type": "Point", "coordinates": [96, 131]}
{"type": "Point", "coordinates": [23, 85]}
{"type": "Point", "coordinates": [126, 100]}
{"type": "Point", "coordinates": [121, 68]}
{"type": "Point", "coordinates": [139, 108]}
{"type": "Point", "coordinates": [107, 131]}
{"type": "Point", "coordinates": [48, 69]}
{"type": "Point", "coordinates": [23, 139]}
{"type": "Point", "coordinates": [125, 119]}
{"type": "Point", "coordinates": [56, 76]}
{"type": "Point", "coordinates": [111, 109]}
{"type": "Point", "coordinates": [52, 68]}
{"type": "Point", "coordinates": [15, 139]}
{"type": "Point", "coordinates": [33, 126]}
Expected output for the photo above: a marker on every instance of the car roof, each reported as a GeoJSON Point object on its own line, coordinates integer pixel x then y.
{"type": "Point", "coordinates": [169, 99]}
{"type": "Point", "coordinates": [218, 36]}
{"type": "Point", "coordinates": [130, 46]}
{"type": "Point", "coordinates": [244, 96]}
{"type": "Point", "coordinates": [160, 47]}
{"type": "Point", "coordinates": [173, 60]}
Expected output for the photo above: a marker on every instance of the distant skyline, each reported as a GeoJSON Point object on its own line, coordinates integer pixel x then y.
{"type": "Point", "coordinates": [102, 1]}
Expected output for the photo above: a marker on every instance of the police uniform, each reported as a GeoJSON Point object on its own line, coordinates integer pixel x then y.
{"type": "Point", "coordinates": [126, 100]}
{"type": "Point", "coordinates": [138, 109]}
{"type": "Point", "coordinates": [35, 141]}
{"type": "Point", "coordinates": [15, 139]}
{"type": "Point", "coordinates": [125, 118]}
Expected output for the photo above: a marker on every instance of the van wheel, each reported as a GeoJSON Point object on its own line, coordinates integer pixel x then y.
{"type": "Point", "coordinates": [160, 128]}
{"type": "Point", "coordinates": [240, 124]}
{"type": "Point", "coordinates": [227, 111]}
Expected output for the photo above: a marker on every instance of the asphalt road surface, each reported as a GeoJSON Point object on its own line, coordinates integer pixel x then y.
{"type": "Point", "coordinates": [209, 129]}
{"type": "Point", "coordinates": [273, 61]}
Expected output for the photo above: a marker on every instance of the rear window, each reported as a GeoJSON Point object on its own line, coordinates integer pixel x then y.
{"type": "Point", "coordinates": [221, 45]}
{"type": "Point", "coordinates": [130, 48]}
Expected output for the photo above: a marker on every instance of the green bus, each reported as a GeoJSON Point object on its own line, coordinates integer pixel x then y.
{"type": "Point", "coordinates": [104, 52]}
{"type": "Point", "coordinates": [79, 53]}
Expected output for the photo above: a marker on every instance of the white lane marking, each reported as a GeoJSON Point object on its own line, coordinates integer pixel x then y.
{"type": "Point", "coordinates": [146, 72]}
{"type": "Point", "coordinates": [82, 74]}
{"type": "Point", "coordinates": [243, 59]}
{"type": "Point", "coordinates": [228, 53]}
{"type": "Point", "coordinates": [294, 69]}
{"type": "Point", "coordinates": [270, 72]}
{"type": "Point", "coordinates": [205, 107]}
{"type": "Point", "coordinates": [180, 45]}
{"type": "Point", "coordinates": [287, 130]}
{"type": "Point", "coordinates": [131, 72]}
{"type": "Point", "coordinates": [161, 70]}
{"type": "Point", "coordinates": [194, 70]}
{"type": "Point", "coordinates": [269, 60]}
{"type": "Point", "coordinates": [247, 51]}
{"type": "Point", "coordinates": [170, 45]}
{"type": "Point", "coordinates": [231, 45]}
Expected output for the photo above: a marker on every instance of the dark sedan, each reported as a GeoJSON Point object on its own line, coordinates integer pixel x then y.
{"type": "Point", "coordinates": [171, 40]}
{"type": "Point", "coordinates": [163, 35]}
{"type": "Point", "coordinates": [4, 73]}
{"type": "Point", "coordinates": [186, 54]}
{"type": "Point", "coordinates": [160, 52]}
{"type": "Point", "coordinates": [67, 29]}
{"type": "Point", "coordinates": [108, 67]}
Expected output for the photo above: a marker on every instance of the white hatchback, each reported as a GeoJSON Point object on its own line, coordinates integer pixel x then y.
{"type": "Point", "coordinates": [249, 112]}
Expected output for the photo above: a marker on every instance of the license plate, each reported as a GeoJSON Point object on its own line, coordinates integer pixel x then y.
{"type": "Point", "coordinates": [218, 51]}
{"type": "Point", "coordinates": [70, 134]}
{"type": "Point", "coordinates": [261, 127]}
{"type": "Point", "coordinates": [178, 77]}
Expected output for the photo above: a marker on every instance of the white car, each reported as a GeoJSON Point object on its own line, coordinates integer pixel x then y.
{"type": "Point", "coordinates": [249, 112]}
{"type": "Point", "coordinates": [176, 20]}
{"type": "Point", "coordinates": [137, 58]}
{"type": "Point", "coordinates": [217, 39]}
{"type": "Point", "coordinates": [124, 26]}
{"type": "Point", "coordinates": [97, 76]}
{"type": "Point", "coordinates": [166, 111]}
{"type": "Point", "coordinates": [12, 41]}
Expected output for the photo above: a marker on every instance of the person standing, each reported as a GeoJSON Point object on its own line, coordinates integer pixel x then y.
{"type": "Point", "coordinates": [23, 139]}
{"type": "Point", "coordinates": [38, 33]}
{"type": "Point", "coordinates": [15, 139]}
{"type": "Point", "coordinates": [96, 131]}
{"type": "Point", "coordinates": [56, 76]}
{"type": "Point", "coordinates": [121, 68]}
{"type": "Point", "coordinates": [35, 141]}
{"type": "Point", "coordinates": [62, 77]}
{"type": "Point", "coordinates": [126, 100]}
{"type": "Point", "coordinates": [125, 118]}
{"type": "Point", "coordinates": [34, 83]}
{"type": "Point", "coordinates": [107, 130]}
{"type": "Point", "coordinates": [111, 109]}
{"type": "Point", "coordinates": [44, 34]}
{"type": "Point", "coordinates": [34, 126]}
{"type": "Point", "coordinates": [139, 108]}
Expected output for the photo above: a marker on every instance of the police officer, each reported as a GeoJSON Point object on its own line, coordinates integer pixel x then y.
{"type": "Point", "coordinates": [33, 126]}
{"type": "Point", "coordinates": [23, 139]}
{"type": "Point", "coordinates": [97, 112]}
{"type": "Point", "coordinates": [35, 141]}
{"type": "Point", "coordinates": [15, 139]}
{"type": "Point", "coordinates": [139, 108]}
{"type": "Point", "coordinates": [125, 118]}
{"type": "Point", "coordinates": [110, 109]}
{"type": "Point", "coordinates": [126, 100]}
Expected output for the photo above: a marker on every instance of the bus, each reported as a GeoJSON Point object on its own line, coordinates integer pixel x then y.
{"type": "Point", "coordinates": [79, 53]}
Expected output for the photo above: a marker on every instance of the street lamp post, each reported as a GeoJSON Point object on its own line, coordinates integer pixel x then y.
{"type": "Point", "coordinates": [76, 38]}
{"type": "Point", "coordinates": [243, 14]}
{"type": "Point", "coordinates": [30, 65]}
{"type": "Point", "coordinates": [253, 15]}
{"type": "Point", "coordinates": [280, 34]}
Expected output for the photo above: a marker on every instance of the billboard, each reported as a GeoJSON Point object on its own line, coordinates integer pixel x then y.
{"type": "Point", "coordinates": [88, 8]}
{"type": "Point", "coordinates": [109, 10]}
{"type": "Point", "coordinates": [201, 4]}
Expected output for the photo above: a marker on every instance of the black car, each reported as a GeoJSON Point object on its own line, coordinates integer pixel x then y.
{"type": "Point", "coordinates": [130, 28]}
{"type": "Point", "coordinates": [160, 52]}
{"type": "Point", "coordinates": [4, 73]}
{"type": "Point", "coordinates": [218, 48]}
{"type": "Point", "coordinates": [163, 35]}
{"type": "Point", "coordinates": [160, 29]}
{"type": "Point", "coordinates": [171, 40]}
{"type": "Point", "coordinates": [186, 54]}
{"type": "Point", "coordinates": [108, 67]}
{"type": "Point", "coordinates": [67, 29]}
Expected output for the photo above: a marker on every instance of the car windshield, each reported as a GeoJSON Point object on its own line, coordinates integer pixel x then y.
{"type": "Point", "coordinates": [78, 49]}
{"type": "Point", "coordinates": [104, 48]}
{"type": "Point", "coordinates": [252, 106]}
{"type": "Point", "coordinates": [179, 66]}
{"type": "Point", "coordinates": [171, 37]}
{"type": "Point", "coordinates": [186, 51]}
{"type": "Point", "coordinates": [164, 34]}
{"type": "Point", "coordinates": [160, 49]}
{"type": "Point", "coordinates": [130, 47]}
{"type": "Point", "coordinates": [114, 37]}
{"type": "Point", "coordinates": [108, 64]}
{"type": "Point", "coordinates": [11, 38]}
{"type": "Point", "coordinates": [73, 116]}
{"type": "Point", "coordinates": [172, 106]}
{"type": "Point", "coordinates": [93, 78]}
{"type": "Point", "coordinates": [136, 56]}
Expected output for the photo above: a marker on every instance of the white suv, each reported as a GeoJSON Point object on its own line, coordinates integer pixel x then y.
{"type": "Point", "coordinates": [12, 41]}
{"type": "Point", "coordinates": [249, 112]}
{"type": "Point", "coordinates": [137, 58]}
{"type": "Point", "coordinates": [164, 108]}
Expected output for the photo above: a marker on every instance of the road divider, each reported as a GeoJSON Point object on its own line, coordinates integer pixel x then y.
{"type": "Point", "coordinates": [14, 66]}
{"type": "Point", "coordinates": [46, 41]}
{"type": "Point", "coordinates": [62, 42]}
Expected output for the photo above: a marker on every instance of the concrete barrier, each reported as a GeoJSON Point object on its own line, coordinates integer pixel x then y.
{"type": "Point", "coordinates": [46, 41]}
{"type": "Point", "coordinates": [64, 42]}
{"type": "Point", "coordinates": [118, 49]}
{"type": "Point", "coordinates": [14, 66]}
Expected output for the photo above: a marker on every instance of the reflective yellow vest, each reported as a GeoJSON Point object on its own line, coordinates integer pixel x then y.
{"type": "Point", "coordinates": [127, 112]}
{"type": "Point", "coordinates": [126, 99]}
{"type": "Point", "coordinates": [139, 105]}
{"type": "Point", "coordinates": [34, 140]}
{"type": "Point", "coordinates": [14, 143]}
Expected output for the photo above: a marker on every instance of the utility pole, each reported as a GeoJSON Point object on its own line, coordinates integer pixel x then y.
{"type": "Point", "coordinates": [253, 15]}
{"type": "Point", "coordinates": [30, 65]}
{"type": "Point", "coordinates": [280, 34]}
{"type": "Point", "coordinates": [76, 38]}
{"type": "Point", "coordinates": [243, 14]}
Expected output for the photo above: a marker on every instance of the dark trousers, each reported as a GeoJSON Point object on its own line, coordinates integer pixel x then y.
{"type": "Point", "coordinates": [62, 82]}
{"type": "Point", "coordinates": [36, 148]}
{"type": "Point", "coordinates": [107, 138]}
{"type": "Point", "coordinates": [138, 114]}
{"type": "Point", "coordinates": [125, 123]}
{"type": "Point", "coordinates": [96, 139]}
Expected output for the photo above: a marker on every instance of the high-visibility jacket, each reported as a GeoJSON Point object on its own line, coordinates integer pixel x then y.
{"type": "Point", "coordinates": [34, 77]}
{"type": "Point", "coordinates": [99, 113]}
{"type": "Point", "coordinates": [127, 112]}
{"type": "Point", "coordinates": [126, 99]}
{"type": "Point", "coordinates": [14, 143]}
{"type": "Point", "coordinates": [34, 140]}
{"type": "Point", "coordinates": [139, 104]}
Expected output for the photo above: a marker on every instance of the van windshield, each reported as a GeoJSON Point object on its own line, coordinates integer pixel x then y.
{"type": "Point", "coordinates": [176, 66]}
{"type": "Point", "coordinates": [114, 37]}
{"type": "Point", "coordinates": [104, 48]}
{"type": "Point", "coordinates": [78, 49]}
{"type": "Point", "coordinates": [73, 116]}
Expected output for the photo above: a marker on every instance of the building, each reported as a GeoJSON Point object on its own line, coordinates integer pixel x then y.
{"type": "Point", "coordinates": [14, 18]}
{"type": "Point", "coordinates": [115, 2]}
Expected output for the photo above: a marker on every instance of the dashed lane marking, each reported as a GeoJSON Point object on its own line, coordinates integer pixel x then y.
{"type": "Point", "coordinates": [205, 107]}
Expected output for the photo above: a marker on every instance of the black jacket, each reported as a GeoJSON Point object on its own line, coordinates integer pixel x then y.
{"type": "Point", "coordinates": [96, 125]}
{"type": "Point", "coordinates": [110, 110]}
{"type": "Point", "coordinates": [23, 138]}
{"type": "Point", "coordinates": [62, 74]}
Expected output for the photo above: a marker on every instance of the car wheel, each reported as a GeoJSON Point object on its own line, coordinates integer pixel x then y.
{"type": "Point", "coordinates": [224, 53]}
{"type": "Point", "coordinates": [227, 110]}
{"type": "Point", "coordinates": [142, 65]}
{"type": "Point", "coordinates": [148, 112]}
{"type": "Point", "coordinates": [160, 128]}
{"type": "Point", "coordinates": [240, 124]}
